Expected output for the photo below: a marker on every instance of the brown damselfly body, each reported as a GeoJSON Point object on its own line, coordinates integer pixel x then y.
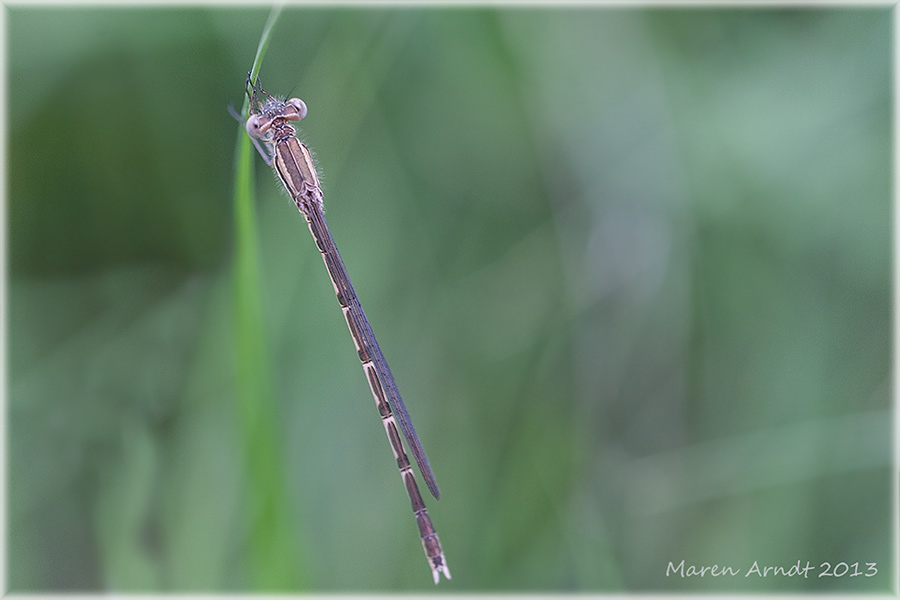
{"type": "Point", "coordinates": [269, 123]}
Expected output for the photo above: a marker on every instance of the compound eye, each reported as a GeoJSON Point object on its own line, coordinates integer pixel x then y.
{"type": "Point", "coordinates": [300, 107]}
{"type": "Point", "coordinates": [253, 127]}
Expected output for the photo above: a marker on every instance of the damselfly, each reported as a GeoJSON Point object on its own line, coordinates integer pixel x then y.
{"type": "Point", "coordinates": [269, 123]}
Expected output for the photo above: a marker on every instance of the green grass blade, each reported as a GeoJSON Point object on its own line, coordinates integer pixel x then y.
{"type": "Point", "coordinates": [261, 51]}
{"type": "Point", "coordinates": [273, 548]}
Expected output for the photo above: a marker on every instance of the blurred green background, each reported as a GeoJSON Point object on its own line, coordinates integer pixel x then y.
{"type": "Point", "coordinates": [631, 269]}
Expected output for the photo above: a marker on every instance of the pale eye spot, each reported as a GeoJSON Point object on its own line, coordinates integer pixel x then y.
{"type": "Point", "coordinates": [253, 127]}
{"type": "Point", "coordinates": [300, 106]}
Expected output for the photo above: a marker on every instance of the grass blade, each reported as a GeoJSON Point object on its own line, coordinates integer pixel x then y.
{"type": "Point", "coordinates": [273, 548]}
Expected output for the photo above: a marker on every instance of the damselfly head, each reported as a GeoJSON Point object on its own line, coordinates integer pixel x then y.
{"type": "Point", "coordinates": [265, 112]}
{"type": "Point", "coordinates": [263, 117]}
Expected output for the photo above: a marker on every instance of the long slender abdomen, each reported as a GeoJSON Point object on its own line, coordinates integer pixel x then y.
{"type": "Point", "coordinates": [355, 318]}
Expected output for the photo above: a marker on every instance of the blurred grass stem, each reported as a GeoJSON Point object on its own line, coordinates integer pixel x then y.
{"type": "Point", "coordinates": [271, 540]}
